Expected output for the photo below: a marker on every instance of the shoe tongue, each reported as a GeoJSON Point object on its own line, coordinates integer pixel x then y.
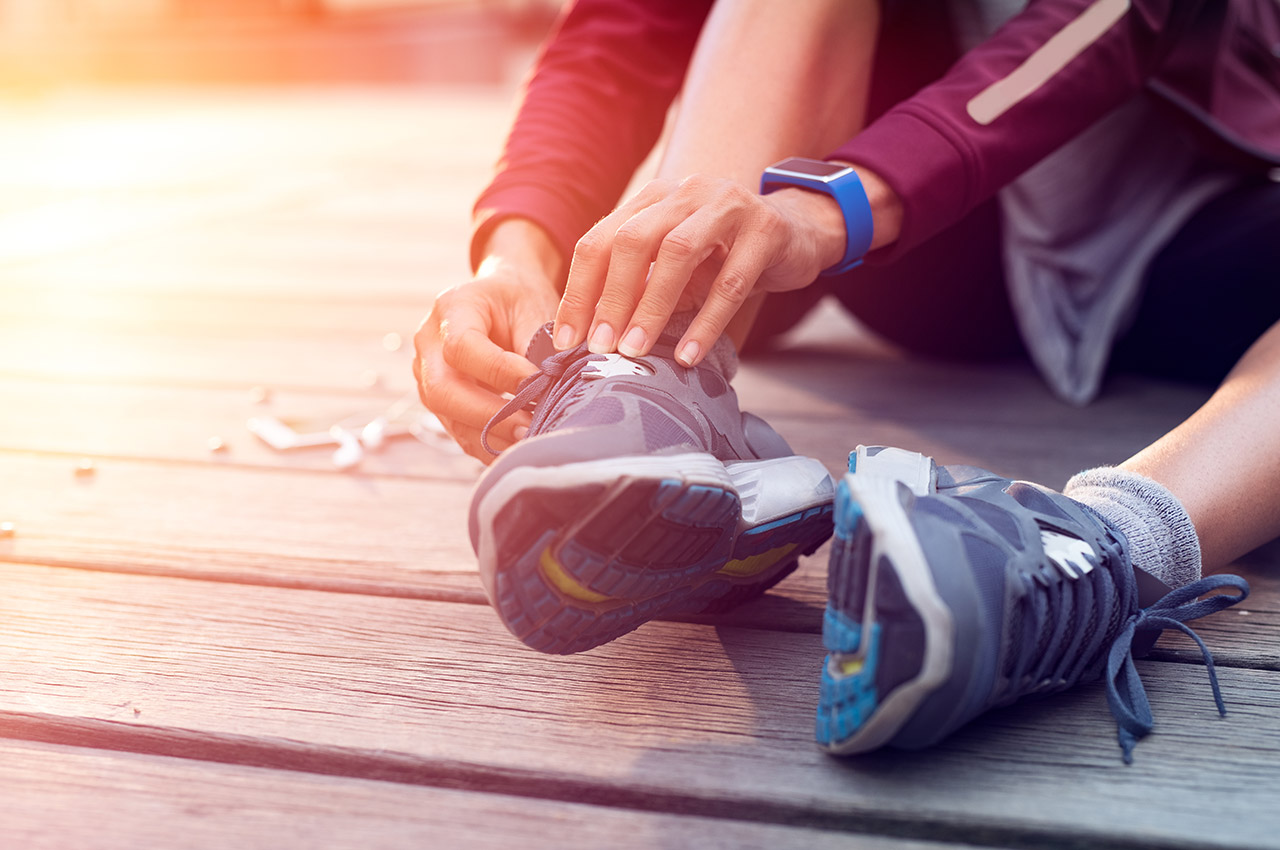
{"type": "Point", "coordinates": [540, 346]}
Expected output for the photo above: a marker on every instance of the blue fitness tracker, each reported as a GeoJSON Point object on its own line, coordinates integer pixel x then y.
{"type": "Point", "coordinates": [840, 182]}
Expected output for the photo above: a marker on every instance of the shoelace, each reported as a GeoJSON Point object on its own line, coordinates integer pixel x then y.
{"type": "Point", "coordinates": [1077, 642]}
{"type": "Point", "coordinates": [1125, 694]}
{"type": "Point", "coordinates": [532, 389]}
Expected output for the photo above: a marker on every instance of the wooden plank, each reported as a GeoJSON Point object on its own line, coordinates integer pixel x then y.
{"type": "Point", "coordinates": [999, 416]}
{"type": "Point", "coordinates": [176, 424]}
{"type": "Point", "coordinates": [181, 180]}
{"type": "Point", "coordinates": [358, 534]}
{"type": "Point", "coordinates": [344, 365]}
{"type": "Point", "coordinates": [381, 535]}
{"type": "Point", "coordinates": [84, 309]}
{"type": "Point", "coordinates": [680, 717]}
{"type": "Point", "coordinates": [68, 797]}
{"type": "Point", "coordinates": [890, 401]}
{"type": "Point", "coordinates": [334, 530]}
{"type": "Point", "coordinates": [344, 269]}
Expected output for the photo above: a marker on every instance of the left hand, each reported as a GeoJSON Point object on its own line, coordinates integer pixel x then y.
{"type": "Point", "coordinates": [711, 242]}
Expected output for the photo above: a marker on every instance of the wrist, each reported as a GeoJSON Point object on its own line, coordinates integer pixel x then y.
{"type": "Point", "coordinates": [821, 218]}
{"type": "Point", "coordinates": [886, 208]}
{"type": "Point", "coordinates": [522, 244]}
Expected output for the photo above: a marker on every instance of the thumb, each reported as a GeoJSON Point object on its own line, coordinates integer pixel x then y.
{"type": "Point", "coordinates": [528, 320]}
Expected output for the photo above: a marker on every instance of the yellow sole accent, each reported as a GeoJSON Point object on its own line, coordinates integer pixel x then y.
{"type": "Point", "coordinates": [555, 573]}
{"type": "Point", "coordinates": [853, 665]}
{"type": "Point", "coordinates": [756, 564]}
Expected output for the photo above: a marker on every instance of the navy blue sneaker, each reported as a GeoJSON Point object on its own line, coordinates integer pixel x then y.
{"type": "Point", "coordinates": [953, 591]}
{"type": "Point", "coordinates": [642, 491]}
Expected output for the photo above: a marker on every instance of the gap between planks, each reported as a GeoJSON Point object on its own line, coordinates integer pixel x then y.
{"type": "Point", "coordinates": [61, 797]}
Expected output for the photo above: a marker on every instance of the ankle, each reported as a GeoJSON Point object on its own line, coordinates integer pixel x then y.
{"type": "Point", "coordinates": [1162, 540]}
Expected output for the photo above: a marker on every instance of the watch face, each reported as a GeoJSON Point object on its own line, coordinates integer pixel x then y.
{"type": "Point", "coordinates": [812, 168]}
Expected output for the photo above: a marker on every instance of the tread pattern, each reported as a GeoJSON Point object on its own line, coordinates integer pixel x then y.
{"type": "Point", "coordinates": [632, 551]}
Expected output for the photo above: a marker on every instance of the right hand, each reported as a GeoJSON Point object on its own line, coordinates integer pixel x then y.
{"type": "Point", "coordinates": [467, 350]}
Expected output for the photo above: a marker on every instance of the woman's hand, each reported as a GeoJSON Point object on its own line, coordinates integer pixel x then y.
{"type": "Point", "coordinates": [705, 243]}
{"type": "Point", "coordinates": [467, 348]}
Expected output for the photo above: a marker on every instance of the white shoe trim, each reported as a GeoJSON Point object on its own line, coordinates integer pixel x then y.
{"type": "Point", "coordinates": [914, 469]}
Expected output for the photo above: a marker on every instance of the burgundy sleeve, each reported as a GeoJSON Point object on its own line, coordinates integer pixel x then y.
{"type": "Point", "coordinates": [591, 111]}
{"type": "Point", "coordinates": [1007, 104]}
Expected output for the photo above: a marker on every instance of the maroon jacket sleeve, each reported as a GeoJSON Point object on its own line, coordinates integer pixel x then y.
{"type": "Point", "coordinates": [591, 111]}
{"type": "Point", "coordinates": [1047, 75]}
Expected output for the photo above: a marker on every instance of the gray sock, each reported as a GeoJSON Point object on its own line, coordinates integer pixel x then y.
{"type": "Point", "coordinates": [722, 356]}
{"type": "Point", "coordinates": [1162, 539]}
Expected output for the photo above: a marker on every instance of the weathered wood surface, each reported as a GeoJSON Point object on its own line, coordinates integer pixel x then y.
{"type": "Point", "coordinates": [175, 424]}
{"type": "Point", "coordinates": [66, 798]}
{"type": "Point", "coordinates": [251, 649]}
{"type": "Point", "coordinates": [680, 717]}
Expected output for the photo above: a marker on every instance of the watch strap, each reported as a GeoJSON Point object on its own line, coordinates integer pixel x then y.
{"type": "Point", "coordinates": [848, 192]}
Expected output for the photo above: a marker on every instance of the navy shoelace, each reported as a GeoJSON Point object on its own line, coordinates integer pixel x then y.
{"type": "Point", "coordinates": [1072, 628]}
{"type": "Point", "coordinates": [540, 389]}
{"type": "Point", "coordinates": [1125, 694]}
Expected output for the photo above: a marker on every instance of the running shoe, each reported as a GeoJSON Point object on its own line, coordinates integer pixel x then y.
{"type": "Point", "coordinates": [954, 590]}
{"type": "Point", "coordinates": [641, 492]}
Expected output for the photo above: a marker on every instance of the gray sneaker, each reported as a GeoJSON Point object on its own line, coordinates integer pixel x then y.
{"type": "Point", "coordinates": [954, 590]}
{"type": "Point", "coordinates": [641, 492]}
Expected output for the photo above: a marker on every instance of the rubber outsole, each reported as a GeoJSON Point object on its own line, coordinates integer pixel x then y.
{"type": "Point", "coordinates": [574, 565]}
{"type": "Point", "coordinates": [873, 534]}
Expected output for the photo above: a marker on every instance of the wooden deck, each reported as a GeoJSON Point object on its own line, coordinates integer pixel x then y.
{"type": "Point", "coordinates": [252, 649]}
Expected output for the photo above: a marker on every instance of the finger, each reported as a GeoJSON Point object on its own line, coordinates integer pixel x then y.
{"type": "Point", "coordinates": [451, 395]}
{"type": "Point", "coordinates": [525, 325]}
{"type": "Point", "coordinates": [748, 258]}
{"type": "Point", "coordinates": [635, 246]}
{"type": "Point", "coordinates": [467, 347]}
{"type": "Point", "coordinates": [590, 265]}
{"type": "Point", "coordinates": [470, 441]}
{"type": "Point", "coordinates": [682, 251]}
{"type": "Point", "coordinates": [472, 415]}
{"type": "Point", "coordinates": [417, 377]}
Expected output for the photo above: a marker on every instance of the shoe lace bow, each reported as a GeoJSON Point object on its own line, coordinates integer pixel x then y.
{"type": "Point", "coordinates": [1073, 645]}
{"type": "Point", "coordinates": [1126, 696]}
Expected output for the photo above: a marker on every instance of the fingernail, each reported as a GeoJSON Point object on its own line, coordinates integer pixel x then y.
{"type": "Point", "coordinates": [689, 352]}
{"type": "Point", "coordinates": [520, 432]}
{"type": "Point", "coordinates": [633, 342]}
{"type": "Point", "coordinates": [601, 340]}
{"type": "Point", "coordinates": [563, 338]}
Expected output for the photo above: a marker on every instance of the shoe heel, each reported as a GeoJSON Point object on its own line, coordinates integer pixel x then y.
{"type": "Point", "coordinates": [848, 695]}
{"type": "Point", "coordinates": [916, 470]}
{"type": "Point", "coordinates": [885, 619]}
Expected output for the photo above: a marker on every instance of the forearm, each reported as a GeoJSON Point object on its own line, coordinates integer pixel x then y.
{"type": "Point", "coordinates": [524, 244]}
{"type": "Point", "coordinates": [1046, 76]}
{"type": "Point", "coordinates": [592, 109]}
{"type": "Point", "coordinates": [1223, 463]}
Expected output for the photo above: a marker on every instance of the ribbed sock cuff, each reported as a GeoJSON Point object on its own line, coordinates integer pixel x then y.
{"type": "Point", "coordinates": [1162, 539]}
{"type": "Point", "coordinates": [723, 356]}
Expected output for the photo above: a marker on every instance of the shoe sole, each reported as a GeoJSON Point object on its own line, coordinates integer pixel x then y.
{"type": "Point", "coordinates": [573, 556]}
{"type": "Point", "coordinates": [871, 525]}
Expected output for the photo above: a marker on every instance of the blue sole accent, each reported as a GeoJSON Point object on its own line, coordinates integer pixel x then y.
{"type": "Point", "coordinates": [654, 548]}
{"type": "Point", "coordinates": [847, 700]}
{"type": "Point", "coordinates": [839, 632]}
{"type": "Point", "coordinates": [848, 513]}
